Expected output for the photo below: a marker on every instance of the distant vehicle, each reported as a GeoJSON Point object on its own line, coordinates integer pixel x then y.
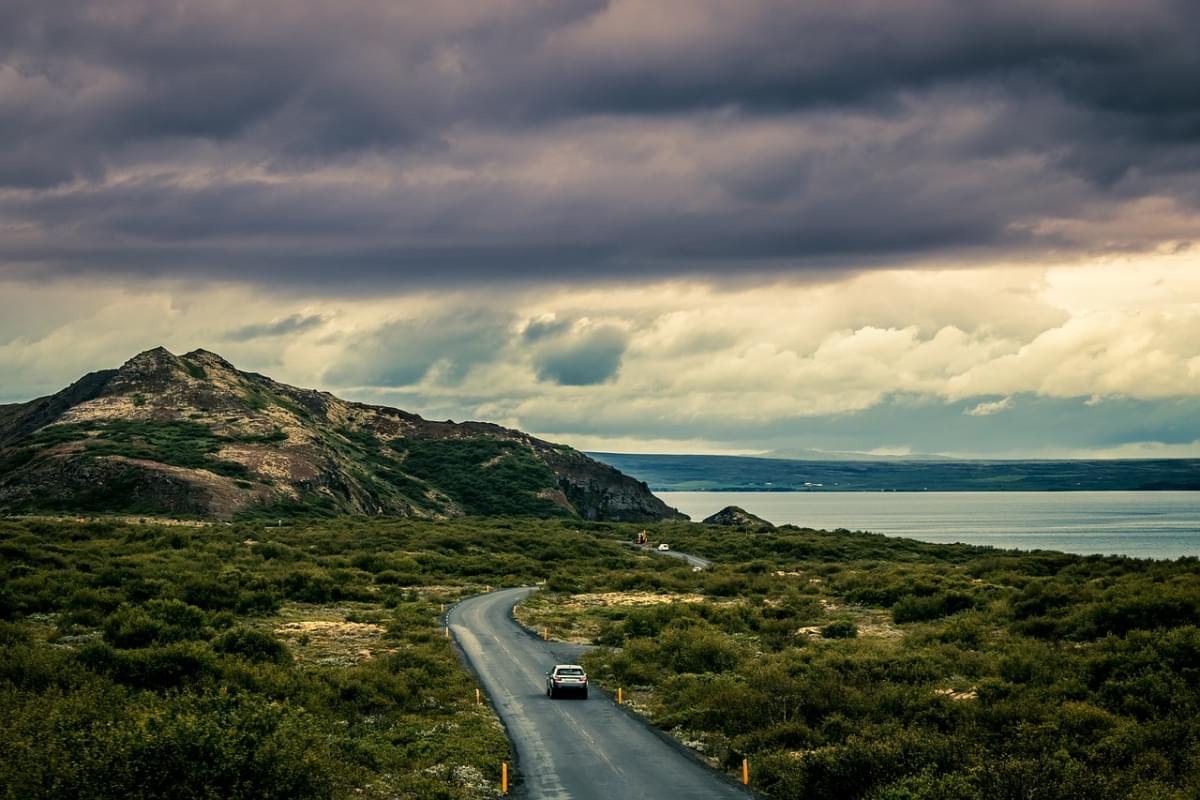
{"type": "Point", "coordinates": [664, 546]}
{"type": "Point", "coordinates": [565, 679]}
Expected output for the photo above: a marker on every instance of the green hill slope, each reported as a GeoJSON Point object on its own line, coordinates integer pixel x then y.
{"type": "Point", "coordinates": [192, 435]}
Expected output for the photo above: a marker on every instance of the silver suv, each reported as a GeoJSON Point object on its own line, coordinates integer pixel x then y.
{"type": "Point", "coordinates": [565, 679]}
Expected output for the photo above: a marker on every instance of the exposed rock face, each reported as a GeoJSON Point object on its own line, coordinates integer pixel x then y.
{"type": "Point", "coordinates": [740, 517]}
{"type": "Point", "coordinates": [193, 435]}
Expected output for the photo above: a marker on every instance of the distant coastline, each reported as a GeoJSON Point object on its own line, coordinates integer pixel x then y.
{"type": "Point", "coordinates": [700, 473]}
{"type": "Point", "coordinates": [1135, 524]}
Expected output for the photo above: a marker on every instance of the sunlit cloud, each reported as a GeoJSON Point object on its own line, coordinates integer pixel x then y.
{"type": "Point", "coordinates": [707, 366]}
{"type": "Point", "coordinates": [987, 408]}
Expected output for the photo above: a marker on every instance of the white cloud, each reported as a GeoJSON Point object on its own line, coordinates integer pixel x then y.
{"type": "Point", "coordinates": [987, 408]}
{"type": "Point", "coordinates": [693, 358]}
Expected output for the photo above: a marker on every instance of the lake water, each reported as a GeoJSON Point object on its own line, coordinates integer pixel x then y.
{"type": "Point", "coordinates": [1141, 524]}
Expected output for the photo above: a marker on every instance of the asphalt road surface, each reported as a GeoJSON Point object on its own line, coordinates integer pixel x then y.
{"type": "Point", "coordinates": [570, 749]}
{"type": "Point", "coordinates": [695, 561]}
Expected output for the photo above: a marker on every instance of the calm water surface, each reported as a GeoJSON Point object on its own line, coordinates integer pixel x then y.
{"type": "Point", "coordinates": [1142, 524]}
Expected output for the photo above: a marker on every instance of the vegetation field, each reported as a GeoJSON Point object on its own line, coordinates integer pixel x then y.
{"type": "Point", "coordinates": [306, 661]}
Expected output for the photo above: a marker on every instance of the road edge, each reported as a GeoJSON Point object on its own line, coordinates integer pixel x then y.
{"type": "Point", "coordinates": [516, 787]}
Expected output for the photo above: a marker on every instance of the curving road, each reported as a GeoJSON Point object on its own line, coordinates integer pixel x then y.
{"type": "Point", "coordinates": [570, 749]}
{"type": "Point", "coordinates": [695, 561]}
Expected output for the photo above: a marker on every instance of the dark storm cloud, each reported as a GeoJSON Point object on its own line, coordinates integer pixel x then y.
{"type": "Point", "coordinates": [539, 329]}
{"type": "Point", "coordinates": [353, 142]}
{"type": "Point", "coordinates": [584, 359]}
{"type": "Point", "coordinates": [296, 323]}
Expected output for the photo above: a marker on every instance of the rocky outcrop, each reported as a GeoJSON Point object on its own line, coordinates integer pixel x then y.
{"type": "Point", "coordinates": [193, 435]}
{"type": "Point", "coordinates": [738, 517]}
{"type": "Point", "coordinates": [598, 491]}
{"type": "Point", "coordinates": [21, 419]}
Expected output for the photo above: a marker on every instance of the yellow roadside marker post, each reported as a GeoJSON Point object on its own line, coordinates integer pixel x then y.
{"type": "Point", "coordinates": [620, 696]}
{"type": "Point", "coordinates": [745, 771]}
{"type": "Point", "coordinates": [478, 698]}
{"type": "Point", "coordinates": [503, 777]}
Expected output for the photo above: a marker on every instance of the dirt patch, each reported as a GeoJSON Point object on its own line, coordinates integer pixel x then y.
{"type": "Point", "coordinates": [270, 462]}
{"type": "Point", "coordinates": [323, 635]}
{"type": "Point", "coordinates": [875, 624]}
{"type": "Point", "coordinates": [870, 624]}
{"type": "Point", "coordinates": [593, 599]}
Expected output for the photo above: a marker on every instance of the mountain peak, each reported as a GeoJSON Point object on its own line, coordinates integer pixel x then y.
{"type": "Point", "coordinates": [149, 370]}
{"type": "Point", "coordinates": [154, 355]}
{"type": "Point", "coordinates": [208, 357]}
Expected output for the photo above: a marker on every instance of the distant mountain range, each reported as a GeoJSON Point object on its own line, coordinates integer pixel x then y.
{"type": "Point", "coordinates": [193, 435]}
{"type": "Point", "coordinates": [833, 455]}
{"type": "Point", "coordinates": [665, 473]}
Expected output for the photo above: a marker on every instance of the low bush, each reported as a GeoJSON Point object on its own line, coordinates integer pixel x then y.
{"type": "Point", "coordinates": [842, 629]}
{"type": "Point", "coordinates": [253, 645]}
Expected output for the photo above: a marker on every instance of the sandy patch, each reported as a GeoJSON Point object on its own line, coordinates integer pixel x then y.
{"type": "Point", "coordinates": [329, 628]}
{"type": "Point", "coordinates": [594, 599]}
{"type": "Point", "coordinates": [322, 635]}
{"type": "Point", "coordinates": [269, 462]}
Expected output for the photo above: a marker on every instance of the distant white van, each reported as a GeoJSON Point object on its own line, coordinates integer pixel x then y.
{"type": "Point", "coordinates": [664, 546]}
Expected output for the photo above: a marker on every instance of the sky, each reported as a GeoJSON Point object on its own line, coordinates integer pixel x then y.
{"type": "Point", "coordinates": [962, 227]}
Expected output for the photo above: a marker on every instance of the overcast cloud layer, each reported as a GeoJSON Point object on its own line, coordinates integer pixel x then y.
{"type": "Point", "coordinates": [351, 142]}
{"type": "Point", "coordinates": [935, 225]}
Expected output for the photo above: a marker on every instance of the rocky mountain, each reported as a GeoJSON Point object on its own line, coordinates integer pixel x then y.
{"type": "Point", "coordinates": [737, 516]}
{"type": "Point", "coordinates": [193, 435]}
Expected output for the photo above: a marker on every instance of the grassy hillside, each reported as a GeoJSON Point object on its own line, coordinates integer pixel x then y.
{"type": "Point", "coordinates": [306, 661]}
{"type": "Point", "coordinates": [193, 436]}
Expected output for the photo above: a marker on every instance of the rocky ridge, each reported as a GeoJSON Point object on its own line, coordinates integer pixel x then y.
{"type": "Point", "coordinates": [192, 435]}
{"type": "Point", "coordinates": [737, 516]}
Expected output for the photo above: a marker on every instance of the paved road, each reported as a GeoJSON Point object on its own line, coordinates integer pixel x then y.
{"type": "Point", "coordinates": [570, 749]}
{"type": "Point", "coordinates": [695, 561]}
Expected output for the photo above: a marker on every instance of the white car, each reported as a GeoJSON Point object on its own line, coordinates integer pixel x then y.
{"type": "Point", "coordinates": [664, 546]}
{"type": "Point", "coordinates": [566, 678]}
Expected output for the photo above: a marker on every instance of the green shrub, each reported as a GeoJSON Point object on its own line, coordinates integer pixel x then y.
{"type": "Point", "coordinates": [920, 609]}
{"type": "Point", "coordinates": [308, 586]}
{"type": "Point", "coordinates": [842, 629]}
{"type": "Point", "coordinates": [487, 476]}
{"type": "Point", "coordinates": [204, 746]}
{"type": "Point", "coordinates": [696, 648]}
{"type": "Point", "coordinates": [132, 626]}
{"type": "Point", "coordinates": [253, 645]}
